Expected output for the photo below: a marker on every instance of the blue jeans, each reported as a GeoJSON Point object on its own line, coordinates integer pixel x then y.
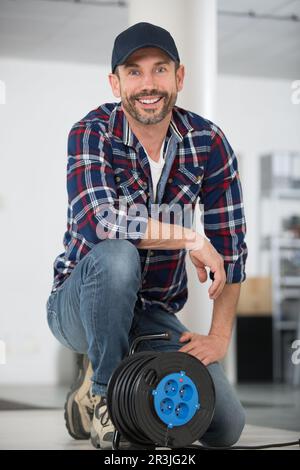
{"type": "Point", "coordinates": [94, 312]}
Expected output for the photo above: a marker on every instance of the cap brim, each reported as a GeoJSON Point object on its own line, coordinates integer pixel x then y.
{"type": "Point", "coordinates": [176, 59]}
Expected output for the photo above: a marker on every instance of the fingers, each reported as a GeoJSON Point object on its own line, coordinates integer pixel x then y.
{"type": "Point", "coordinates": [202, 274]}
{"type": "Point", "coordinates": [201, 347]}
{"type": "Point", "coordinates": [193, 346]}
{"type": "Point", "coordinates": [187, 348]}
{"type": "Point", "coordinates": [202, 355]}
{"type": "Point", "coordinates": [206, 361]}
{"type": "Point", "coordinates": [186, 336]}
{"type": "Point", "coordinates": [197, 262]}
{"type": "Point", "coordinates": [215, 263]}
{"type": "Point", "coordinates": [218, 283]}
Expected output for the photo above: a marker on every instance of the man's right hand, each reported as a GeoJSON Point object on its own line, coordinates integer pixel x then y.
{"type": "Point", "coordinates": [207, 256]}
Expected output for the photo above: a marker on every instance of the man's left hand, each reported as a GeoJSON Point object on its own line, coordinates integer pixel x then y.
{"type": "Point", "coordinates": [207, 348]}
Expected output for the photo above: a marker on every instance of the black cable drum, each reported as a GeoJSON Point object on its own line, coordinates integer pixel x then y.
{"type": "Point", "coordinates": [139, 398]}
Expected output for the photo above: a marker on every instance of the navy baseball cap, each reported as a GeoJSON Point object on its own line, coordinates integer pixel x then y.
{"type": "Point", "coordinates": [142, 35]}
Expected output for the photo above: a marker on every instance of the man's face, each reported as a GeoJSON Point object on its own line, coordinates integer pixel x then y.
{"type": "Point", "coordinates": [148, 85]}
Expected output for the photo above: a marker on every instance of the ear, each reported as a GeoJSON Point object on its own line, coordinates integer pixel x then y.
{"type": "Point", "coordinates": [115, 84]}
{"type": "Point", "coordinates": [180, 77]}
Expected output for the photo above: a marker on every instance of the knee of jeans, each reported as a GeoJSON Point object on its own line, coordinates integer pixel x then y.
{"type": "Point", "coordinates": [228, 431]}
{"type": "Point", "coordinates": [119, 258]}
{"type": "Point", "coordinates": [234, 428]}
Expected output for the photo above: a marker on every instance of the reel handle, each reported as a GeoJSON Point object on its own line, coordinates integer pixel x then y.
{"type": "Point", "coordinates": [165, 336]}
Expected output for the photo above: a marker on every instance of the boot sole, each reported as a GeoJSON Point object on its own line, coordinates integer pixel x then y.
{"type": "Point", "coordinates": [71, 410]}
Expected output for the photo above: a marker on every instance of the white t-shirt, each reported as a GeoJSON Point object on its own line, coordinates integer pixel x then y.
{"type": "Point", "coordinates": [156, 168]}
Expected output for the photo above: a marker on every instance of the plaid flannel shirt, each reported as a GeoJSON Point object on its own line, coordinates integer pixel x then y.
{"type": "Point", "coordinates": [106, 162]}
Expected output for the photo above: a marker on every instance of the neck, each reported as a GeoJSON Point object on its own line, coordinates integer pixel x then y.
{"type": "Point", "coordinates": [151, 136]}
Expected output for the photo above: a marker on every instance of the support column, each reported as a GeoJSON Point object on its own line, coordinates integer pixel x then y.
{"type": "Point", "coordinates": [193, 25]}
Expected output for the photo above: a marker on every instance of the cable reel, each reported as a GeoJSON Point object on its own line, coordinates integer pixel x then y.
{"type": "Point", "coordinates": [160, 399]}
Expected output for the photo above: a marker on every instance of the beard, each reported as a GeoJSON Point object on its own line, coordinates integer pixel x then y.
{"type": "Point", "coordinates": [149, 116]}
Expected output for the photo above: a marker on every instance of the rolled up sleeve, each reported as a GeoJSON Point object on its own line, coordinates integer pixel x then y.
{"type": "Point", "coordinates": [223, 207]}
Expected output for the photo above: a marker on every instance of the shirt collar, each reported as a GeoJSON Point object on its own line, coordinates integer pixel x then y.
{"type": "Point", "coordinates": [119, 126]}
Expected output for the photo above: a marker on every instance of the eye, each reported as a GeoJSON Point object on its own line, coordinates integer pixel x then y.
{"type": "Point", "coordinates": [133, 72]}
{"type": "Point", "coordinates": [161, 69]}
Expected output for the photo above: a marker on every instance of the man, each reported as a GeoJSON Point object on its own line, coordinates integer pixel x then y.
{"type": "Point", "coordinates": [123, 271]}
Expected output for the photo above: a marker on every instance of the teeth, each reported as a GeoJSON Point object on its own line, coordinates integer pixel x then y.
{"type": "Point", "coordinates": [150, 101]}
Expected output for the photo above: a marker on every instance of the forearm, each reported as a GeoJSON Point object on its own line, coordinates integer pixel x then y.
{"type": "Point", "coordinates": [224, 311]}
{"type": "Point", "coordinates": [160, 236]}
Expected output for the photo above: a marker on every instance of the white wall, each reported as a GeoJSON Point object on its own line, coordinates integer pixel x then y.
{"type": "Point", "coordinates": [258, 117]}
{"type": "Point", "coordinates": [43, 100]}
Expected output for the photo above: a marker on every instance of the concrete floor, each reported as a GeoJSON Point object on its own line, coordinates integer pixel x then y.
{"type": "Point", "coordinates": [45, 429]}
{"type": "Point", "coordinates": [271, 405]}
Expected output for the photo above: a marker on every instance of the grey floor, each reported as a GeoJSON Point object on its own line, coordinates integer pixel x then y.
{"type": "Point", "coordinates": [273, 415]}
{"type": "Point", "coordinates": [272, 405]}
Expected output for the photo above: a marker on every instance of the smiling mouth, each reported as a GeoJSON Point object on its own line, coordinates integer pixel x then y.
{"type": "Point", "coordinates": [149, 101]}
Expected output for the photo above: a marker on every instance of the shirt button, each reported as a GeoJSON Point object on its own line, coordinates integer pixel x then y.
{"type": "Point", "coordinates": [199, 178]}
{"type": "Point", "coordinates": [118, 179]}
{"type": "Point", "coordinates": [170, 180]}
{"type": "Point", "coordinates": [151, 253]}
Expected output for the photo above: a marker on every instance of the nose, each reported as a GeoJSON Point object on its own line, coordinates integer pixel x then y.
{"type": "Point", "coordinates": [148, 81]}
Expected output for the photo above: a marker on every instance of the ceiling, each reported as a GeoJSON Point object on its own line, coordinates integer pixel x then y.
{"type": "Point", "coordinates": [259, 47]}
{"type": "Point", "coordinates": [65, 31]}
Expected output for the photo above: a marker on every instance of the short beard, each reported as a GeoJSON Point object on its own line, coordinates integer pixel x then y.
{"type": "Point", "coordinates": [130, 107]}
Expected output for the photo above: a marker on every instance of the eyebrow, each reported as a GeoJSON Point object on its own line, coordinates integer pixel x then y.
{"type": "Point", "coordinates": [127, 65]}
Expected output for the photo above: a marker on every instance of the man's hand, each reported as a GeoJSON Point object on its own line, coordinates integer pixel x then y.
{"type": "Point", "coordinates": [207, 349]}
{"type": "Point", "coordinates": [208, 256]}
